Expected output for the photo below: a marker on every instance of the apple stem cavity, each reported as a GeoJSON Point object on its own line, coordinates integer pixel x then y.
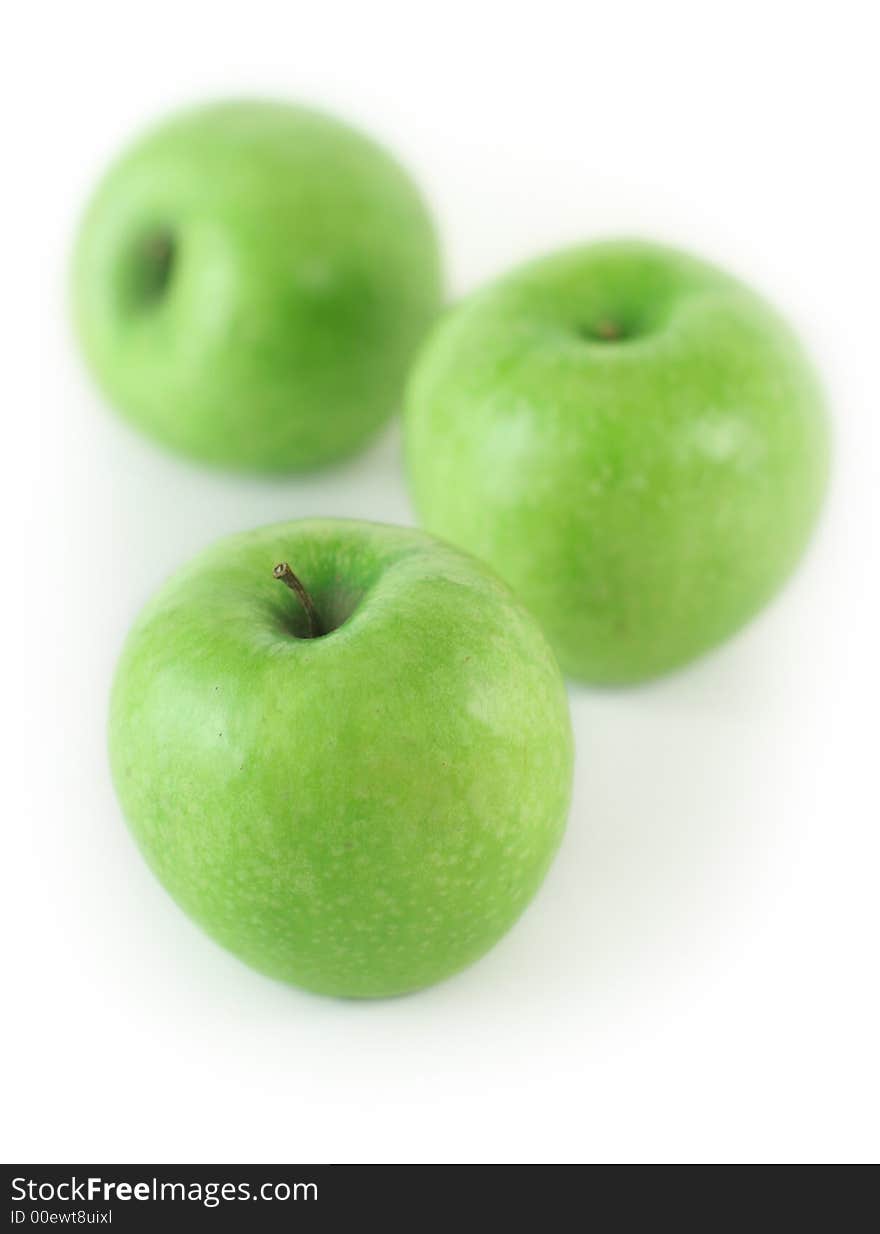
{"type": "Point", "coordinates": [283, 572]}
{"type": "Point", "coordinates": [157, 259]}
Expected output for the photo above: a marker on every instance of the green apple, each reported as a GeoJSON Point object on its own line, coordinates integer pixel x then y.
{"type": "Point", "coordinates": [633, 439]}
{"type": "Point", "coordinates": [250, 281]}
{"type": "Point", "coordinates": [357, 782]}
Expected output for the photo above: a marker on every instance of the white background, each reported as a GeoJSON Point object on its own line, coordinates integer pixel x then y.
{"type": "Point", "coordinates": [697, 979]}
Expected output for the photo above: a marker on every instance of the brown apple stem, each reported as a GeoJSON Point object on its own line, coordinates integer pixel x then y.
{"type": "Point", "coordinates": [158, 248]}
{"type": "Point", "coordinates": [283, 572]}
{"type": "Point", "coordinates": [608, 330]}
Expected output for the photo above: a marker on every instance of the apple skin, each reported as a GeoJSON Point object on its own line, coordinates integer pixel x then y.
{"type": "Point", "coordinates": [361, 813]}
{"type": "Point", "coordinates": [249, 284]}
{"type": "Point", "coordinates": [646, 493]}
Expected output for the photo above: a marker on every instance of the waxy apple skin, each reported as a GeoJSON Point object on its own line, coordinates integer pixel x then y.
{"type": "Point", "coordinates": [362, 813]}
{"type": "Point", "coordinates": [634, 440]}
{"type": "Point", "coordinates": [249, 283]}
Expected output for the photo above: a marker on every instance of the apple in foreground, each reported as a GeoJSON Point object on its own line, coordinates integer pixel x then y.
{"type": "Point", "coordinates": [355, 782]}
{"type": "Point", "coordinates": [249, 283]}
{"type": "Point", "coordinates": [633, 439]}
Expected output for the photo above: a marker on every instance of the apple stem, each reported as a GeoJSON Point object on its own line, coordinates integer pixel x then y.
{"type": "Point", "coordinates": [608, 330]}
{"type": "Point", "coordinates": [283, 572]}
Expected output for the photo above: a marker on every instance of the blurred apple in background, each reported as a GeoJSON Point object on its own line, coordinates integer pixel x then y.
{"type": "Point", "coordinates": [633, 439]}
{"type": "Point", "coordinates": [249, 283]}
